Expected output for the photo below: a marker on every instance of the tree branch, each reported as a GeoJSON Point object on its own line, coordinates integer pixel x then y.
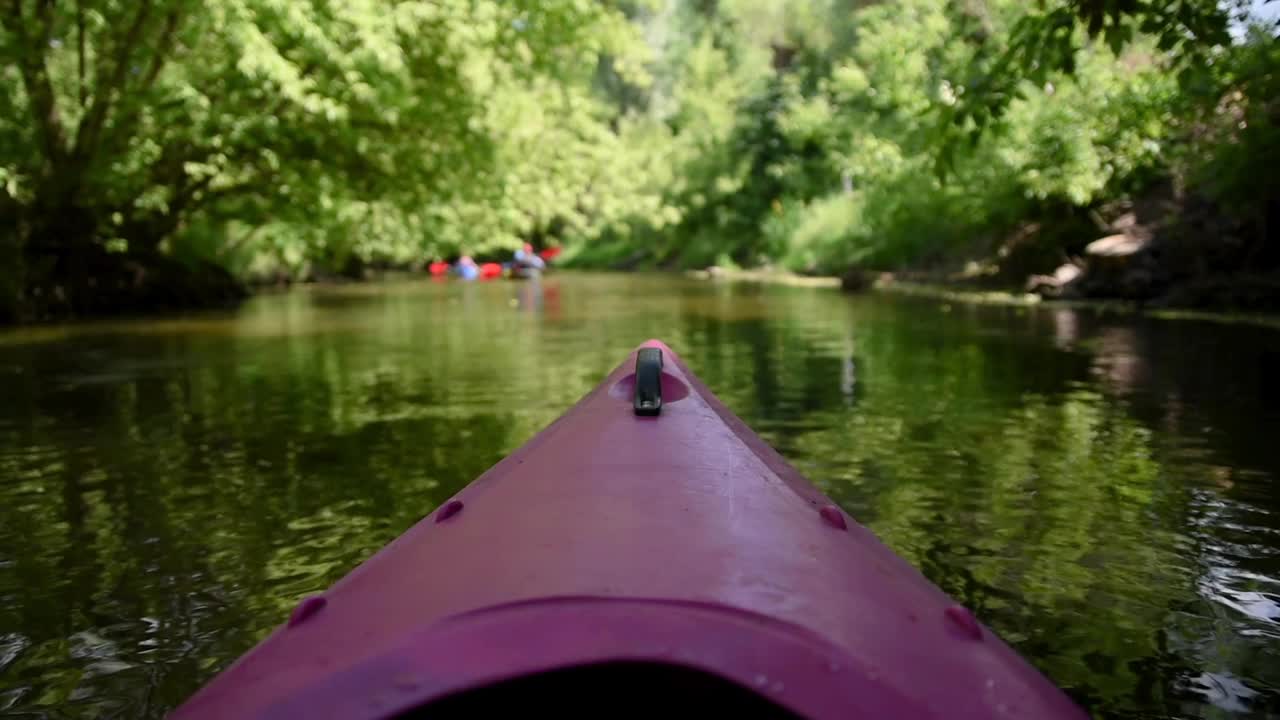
{"type": "Point", "coordinates": [84, 90]}
{"type": "Point", "coordinates": [158, 60]}
{"type": "Point", "coordinates": [235, 243]}
{"type": "Point", "coordinates": [32, 66]}
{"type": "Point", "coordinates": [104, 92]}
{"type": "Point", "coordinates": [163, 47]}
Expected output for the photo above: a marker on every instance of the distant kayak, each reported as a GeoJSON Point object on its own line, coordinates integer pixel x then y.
{"type": "Point", "coordinates": [645, 555]}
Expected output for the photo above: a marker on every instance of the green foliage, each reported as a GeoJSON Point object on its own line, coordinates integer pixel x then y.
{"type": "Point", "coordinates": [286, 137]}
{"type": "Point", "coordinates": [1047, 40]}
{"type": "Point", "coordinates": [350, 129]}
{"type": "Point", "coordinates": [1242, 129]}
{"type": "Point", "coordinates": [825, 152]}
{"type": "Point", "coordinates": [817, 234]}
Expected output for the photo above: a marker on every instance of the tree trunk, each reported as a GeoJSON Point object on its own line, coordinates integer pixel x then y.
{"type": "Point", "coordinates": [58, 249]}
{"type": "Point", "coordinates": [12, 263]}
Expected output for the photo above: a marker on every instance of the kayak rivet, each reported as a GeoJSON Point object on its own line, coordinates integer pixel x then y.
{"type": "Point", "coordinates": [308, 607]}
{"type": "Point", "coordinates": [964, 621]}
{"type": "Point", "coordinates": [834, 517]}
{"type": "Point", "coordinates": [451, 508]}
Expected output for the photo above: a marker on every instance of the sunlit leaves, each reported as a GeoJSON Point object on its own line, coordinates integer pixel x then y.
{"type": "Point", "coordinates": [675, 132]}
{"type": "Point", "coordinates": [1047, 40]}
{"type": "Point", "coordinates": [309, 114]}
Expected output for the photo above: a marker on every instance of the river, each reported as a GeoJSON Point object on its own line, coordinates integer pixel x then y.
{"type": "Point", "coordinates": [1100, 489]}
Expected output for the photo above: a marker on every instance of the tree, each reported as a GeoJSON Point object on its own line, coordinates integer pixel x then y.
{"type": "Point", "coordinates": [1046, 41]}
{"type": "Point", "coordinates": [125, 120]}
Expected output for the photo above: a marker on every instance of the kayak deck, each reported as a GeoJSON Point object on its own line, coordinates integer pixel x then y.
{"type": "Point", "coordinates": [680, 541]}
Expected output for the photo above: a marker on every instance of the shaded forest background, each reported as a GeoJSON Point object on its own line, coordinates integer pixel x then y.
{"type": "Point", "coordinates": [162, 153]}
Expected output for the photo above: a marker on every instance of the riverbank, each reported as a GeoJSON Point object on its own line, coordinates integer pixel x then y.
{"type": "Point", "coordinates": [95, 282]}
{"type": "Point", "coordinates": [960, 288]}
{"type": "Point", "coordinates": [965, 292]}
{"type": "Point", "coordinates": [1116, 307]}
{"type": "Point", "coordinates": [765, 275]}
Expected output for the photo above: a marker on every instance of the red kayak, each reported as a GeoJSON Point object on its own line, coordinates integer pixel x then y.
{"type": "Point", "coordinates": [646, 554]}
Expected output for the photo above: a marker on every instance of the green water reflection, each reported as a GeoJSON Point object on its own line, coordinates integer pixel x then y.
{"type": "Point", "coordinates": [1100, 489]}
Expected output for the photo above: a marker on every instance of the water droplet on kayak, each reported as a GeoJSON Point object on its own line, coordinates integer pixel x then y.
{"type": "Point", "coordinates": [451, 508]}
{"type": "Point", "coordinates": [760, 680]}
{"type": "Point", "coordinates": [991, 683]}
{"type": "Point", "coordinates": [964, 621]}
{"type": "Point", "coordinates": [308, 607]}
{"type": "Point", "coordinates": [833, 516]}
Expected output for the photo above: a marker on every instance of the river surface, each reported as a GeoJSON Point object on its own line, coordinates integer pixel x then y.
{"type": "Point", "coordinates": [1100, 489]}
